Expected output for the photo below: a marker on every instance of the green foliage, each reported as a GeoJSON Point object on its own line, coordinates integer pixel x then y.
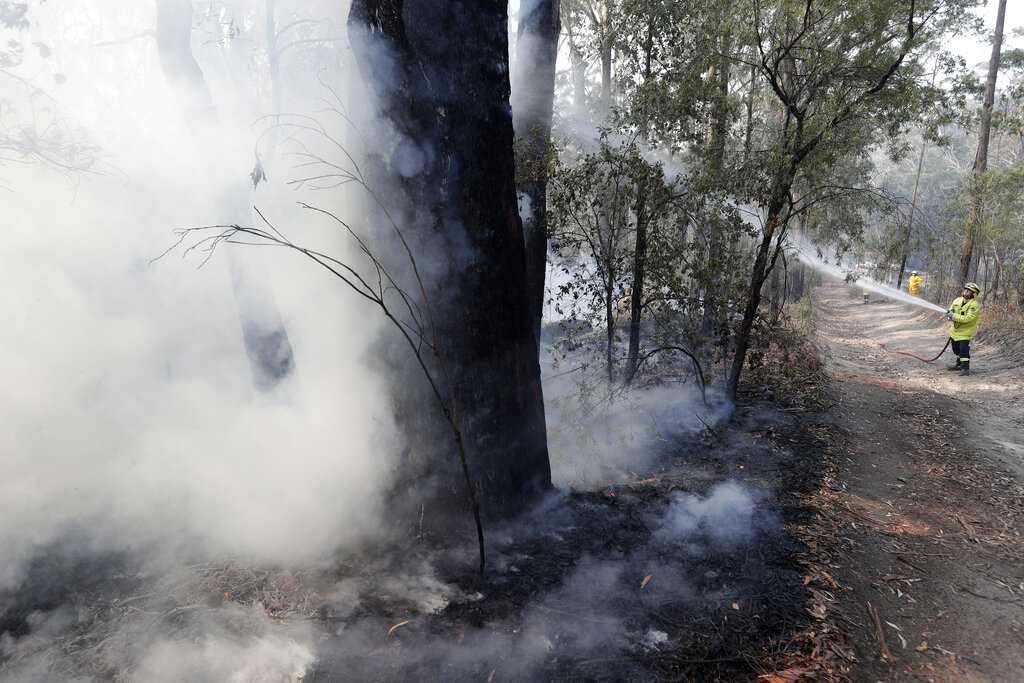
{"type": "Point", "coordinates": [770, 113]}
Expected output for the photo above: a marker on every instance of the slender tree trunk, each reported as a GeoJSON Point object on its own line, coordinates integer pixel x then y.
{"type": "Point", "coordinates": [981, 158]}
{"type": "Point", "coordinates": [274, 67]}
{"type": "Point", "coordinates": [606, 71]}
{"type": "Point", "coordinates": [775, 300]}
{"type": "Point", "coordinates": [984, 278]}
{"type": "Point", "coordinates": [764, 261]}
{"type": "Point", "coordinates": [748, 129]}
{"type": "Point", "coordinates": [263, 332]}
{"type": "Point", "coordinates": [999, 272]}
{"type": "Point", "coordinates": [609, 315]}
{"type": "Point", "coordinates": [537, 46]}
{"type": "Point", "coordinates": [578, 65]}
{"type": "Point", "coordinates": [715, 295]}
{"type": "Point", "coordinates": [640, 241]}
{"type": "Point", "coordinates": [636, 295]}
{"type": "Point", "coordinates": [910, 216]}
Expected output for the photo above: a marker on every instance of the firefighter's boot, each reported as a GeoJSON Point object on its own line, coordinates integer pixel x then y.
{"type": "Point", "coordinates": [965, 367]}
{"type": "Point", "coordinates": [955, 368]}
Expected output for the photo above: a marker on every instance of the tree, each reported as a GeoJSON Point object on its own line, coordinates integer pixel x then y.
{"type": "Point", "coordinates": [981, 159]}
{"type": "Point", "coordinates": [263, 332]}
{"type": "Point", "coordinates": [536, 52]}
{"type": "Point", "coordinates": [842, 75]}
{"type": "Point", "coordinates": [441, 88]}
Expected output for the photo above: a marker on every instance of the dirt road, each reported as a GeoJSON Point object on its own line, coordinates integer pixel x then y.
{"type": "Point", "coordinates": [922, 512]}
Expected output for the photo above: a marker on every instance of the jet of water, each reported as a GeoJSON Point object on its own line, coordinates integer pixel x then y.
{"type": "Point", "coordinates": [866, 283]}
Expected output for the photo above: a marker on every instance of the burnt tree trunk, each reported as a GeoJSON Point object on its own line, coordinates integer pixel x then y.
{"type": "Point", "coordinates": [639, 274]}
{"type": "Point", "coordinates": [445, 171]}
{"type": "Point", "coordinates": [263, 332]}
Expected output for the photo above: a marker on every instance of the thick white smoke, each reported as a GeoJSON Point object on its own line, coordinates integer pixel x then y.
{"type": "Point", "coordinates": [129, 419]}
{"type": "Point", "coordinates": [128, 402]}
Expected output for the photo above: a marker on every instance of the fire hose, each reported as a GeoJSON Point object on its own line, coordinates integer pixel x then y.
{"type": "Point", "coordinates": [906, 353]}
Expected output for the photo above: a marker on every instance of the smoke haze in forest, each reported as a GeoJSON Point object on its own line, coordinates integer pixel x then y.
{"type": "Point", "coordinates": [129, 419]}
{"type": "Point", "coordinates": [129, 413]}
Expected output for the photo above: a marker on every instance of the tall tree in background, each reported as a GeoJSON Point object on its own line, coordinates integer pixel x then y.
{"type": "Point", "coordinates": [981, 158]}
{"type": "Point", "coordinates": [536, 53]}
{"type": "Point", "coordinates": [444, 173]}
{"type": "Point", "coordinates": [263, 332]}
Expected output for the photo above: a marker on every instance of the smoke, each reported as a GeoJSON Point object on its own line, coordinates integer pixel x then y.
{"type": "Point", "coordinates": [135, 448]}
{"type": "Point", "coordinates": [600, 436]}
{"type": "Point", "coordinates": [724, 517]}
{"type": "Point", "coordinates": [130, 424]}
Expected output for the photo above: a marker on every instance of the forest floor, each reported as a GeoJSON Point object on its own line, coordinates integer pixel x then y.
{"type": "Point", "coordinates": [921, 510]}
{"type": "Point", "coordinates": [858, 520]}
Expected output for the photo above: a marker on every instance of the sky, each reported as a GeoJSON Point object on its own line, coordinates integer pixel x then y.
{"type": "Point", "coordinates": [978, 51]}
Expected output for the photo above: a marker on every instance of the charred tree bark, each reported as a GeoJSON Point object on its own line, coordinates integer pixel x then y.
{"type": "Point", "coordinates": [981, 158]}
{"type": "Point", "coordinates": [263, 332]}
{"type": "Point", "coordinates": [637, 293]}
{"type": "Point", "coordinates": [438, 73]}
{"type": "Point", "coordinates": [537, 47]}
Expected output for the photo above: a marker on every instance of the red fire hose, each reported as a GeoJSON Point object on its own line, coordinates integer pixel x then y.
{"type": "Point", "coordinates": [926, 360]}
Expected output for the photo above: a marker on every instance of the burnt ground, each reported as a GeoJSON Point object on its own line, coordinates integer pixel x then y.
{"type": "Point", "coordinates": [749, 552]}
{"type": "Point", "coordinates": [921, 512]}
{"type": "Point", "coordinates": [685, 571]}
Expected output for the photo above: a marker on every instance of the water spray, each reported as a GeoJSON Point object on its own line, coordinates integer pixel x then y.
{"type": "Point", "coordinates": [872, 286]}
{"type": "Point", "coordinates": [867, 283]}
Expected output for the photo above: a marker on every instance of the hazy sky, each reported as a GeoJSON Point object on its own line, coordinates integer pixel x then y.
{"type": "Point", "coordinates": [977, 51]}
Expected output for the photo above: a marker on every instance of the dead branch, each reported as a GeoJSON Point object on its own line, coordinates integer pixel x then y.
{"type": "Point", "coordinates": [880, 634]}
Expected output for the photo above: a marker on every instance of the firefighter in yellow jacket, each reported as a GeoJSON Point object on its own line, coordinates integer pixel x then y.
{"type": "Point", "coordinates": [963, 313]}
{"type": "Point", "coordinates": [915, 280]}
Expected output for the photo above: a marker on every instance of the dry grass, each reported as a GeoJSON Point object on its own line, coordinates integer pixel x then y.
{"type": "Point", "coordinates": [786, 362]}
{"type": "Point", "coordinates": [1003, 324]}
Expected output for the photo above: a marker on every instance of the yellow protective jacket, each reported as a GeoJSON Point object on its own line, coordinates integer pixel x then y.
{"type": "Point", "coordinates": [965, 318]}
{"type": "Point", "coordinates": [915, 280]}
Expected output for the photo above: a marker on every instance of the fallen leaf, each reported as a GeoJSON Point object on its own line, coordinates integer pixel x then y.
{"type": "Point", "coordinates": [735, 605]}
{"type": "Point", "coordinates": [922, 647]}
{"type": "Point", "coordinates": [401, 623]}
{"type": "Point", "coordinates": [646, 579]}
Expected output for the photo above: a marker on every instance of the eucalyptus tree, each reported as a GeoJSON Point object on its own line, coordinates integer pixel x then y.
{"type": "Point", "coordinates": [845, 79]}
{"type": "Point", "coordinates": [984, 133]}
{"type": "Point", "coordinates": [533, 109]}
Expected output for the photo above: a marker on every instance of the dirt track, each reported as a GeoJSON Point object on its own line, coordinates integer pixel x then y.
{"type": "Point", "coordinates": [922, 512]}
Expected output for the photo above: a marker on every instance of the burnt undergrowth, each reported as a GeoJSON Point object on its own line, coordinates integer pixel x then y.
{"type": "Point", "coordinates": [687, 572]}
{"type": "Point", "coordinates": [682, 572]}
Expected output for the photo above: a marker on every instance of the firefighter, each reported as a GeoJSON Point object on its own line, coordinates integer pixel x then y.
{"type": "Point", "coordinates": [963, 313]}
{"type": "Point", "coordinates": [915, 280]}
